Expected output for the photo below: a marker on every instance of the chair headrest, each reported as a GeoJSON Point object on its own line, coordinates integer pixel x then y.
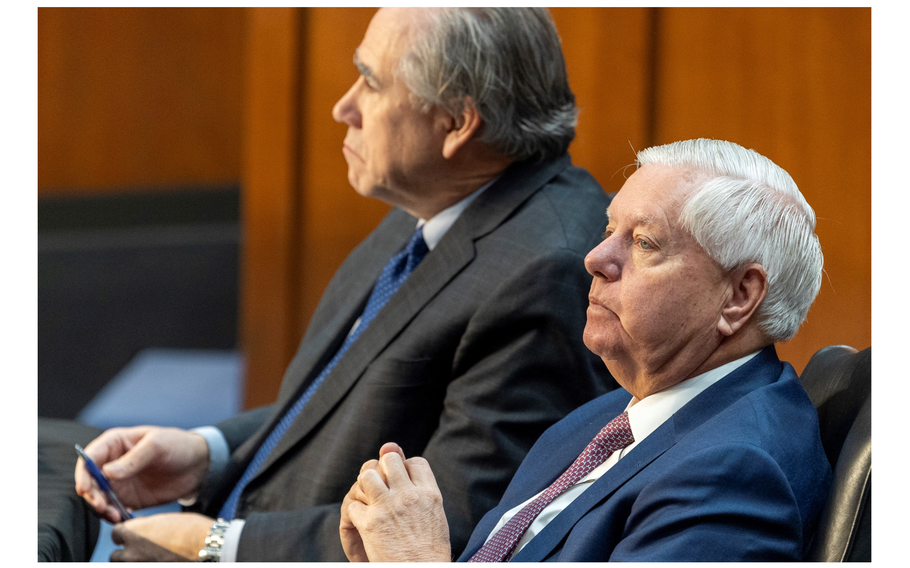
{"type": "Point", "coordinates": [838, 381]}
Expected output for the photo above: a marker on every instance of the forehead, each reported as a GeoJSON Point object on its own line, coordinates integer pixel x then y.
{"type": "Point", "coordinates": [390, 33]}
{"type": "Point", "coordinates": [653, 195]}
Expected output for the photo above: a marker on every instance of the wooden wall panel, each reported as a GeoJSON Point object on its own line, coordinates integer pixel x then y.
{"type": "Point", "coordinates": [138, 97]}
{"type": "Point", "coordinates": [795, 85]}
{"type": "Point", "coordinates": [271, 200]}
{"type": "Point", "coordinates": [607, 55]}
{"type": "Point", "coordinates": [303, 217]}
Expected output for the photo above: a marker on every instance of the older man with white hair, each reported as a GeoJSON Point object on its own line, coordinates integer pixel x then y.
{"type": "Point", "coordinates": [712, 450]}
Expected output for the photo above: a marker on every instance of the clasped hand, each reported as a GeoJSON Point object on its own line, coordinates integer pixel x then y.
{"type": "Point", "coordinates": [394, 512]}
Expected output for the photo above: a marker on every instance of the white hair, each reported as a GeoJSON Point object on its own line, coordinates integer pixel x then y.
{"type": "Point", "coordinates": [747, 209]}
{"type": "Point", "coordinates": [510, 62]}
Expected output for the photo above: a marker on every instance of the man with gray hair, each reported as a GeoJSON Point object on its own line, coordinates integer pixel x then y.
{"type": "Point", "coordinates": [712, 450]}
{"type": "Point", "coordinates": [454, 328]}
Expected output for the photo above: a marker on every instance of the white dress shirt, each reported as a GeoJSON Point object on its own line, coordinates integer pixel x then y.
{"type": "Point", "coordinates": [219, 453]}
{"type": "Point", "coordinates": [645, 416]}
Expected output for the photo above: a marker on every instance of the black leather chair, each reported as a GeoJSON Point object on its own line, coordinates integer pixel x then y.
{"type": "Point", "coordinates": [838, 381]}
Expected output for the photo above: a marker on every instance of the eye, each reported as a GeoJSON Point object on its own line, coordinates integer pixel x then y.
{"type": "Point", "coordinates": [645, 245]}
{"type": "Point", "coordinates": [607, 234]}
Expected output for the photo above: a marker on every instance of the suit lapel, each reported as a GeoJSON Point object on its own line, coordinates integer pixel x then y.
{"type": "Point", "coordinates": [650, 449]}
{"type": "Point", "coordinates": [348, 293]}
{"type": "Point", "coordinates": [761, 370]}
{"type": "Point", "coordinates": [439, 267]}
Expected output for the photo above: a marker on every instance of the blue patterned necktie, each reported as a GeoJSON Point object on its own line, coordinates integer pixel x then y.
{"type": "Point", "coordinates": [393, 275]}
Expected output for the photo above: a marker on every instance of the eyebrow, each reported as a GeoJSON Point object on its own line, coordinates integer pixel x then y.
{"type": "Point", "coordinates": [362, 67]}
{"type": "Point", "coordinates": [640, 219]}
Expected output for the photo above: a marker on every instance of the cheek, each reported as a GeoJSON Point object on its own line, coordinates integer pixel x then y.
{"type": "Point", "coordinates": [680, 311]}
{"type": "Point", "coordinates": [649, 308]}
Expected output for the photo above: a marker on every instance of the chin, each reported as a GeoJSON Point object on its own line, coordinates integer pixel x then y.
{"type": "Point", "coordinates": [601, 343]}
{"type": "Point", "coordinates": [357, 182]}
{"type": "Point", "coordinates": [363, 191]}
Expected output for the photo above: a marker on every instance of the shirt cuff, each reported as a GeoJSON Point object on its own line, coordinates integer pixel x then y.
{"type": "Point", "coordinates": [231, 541]}
{"type": "Point", "coordinates": [219, 455]}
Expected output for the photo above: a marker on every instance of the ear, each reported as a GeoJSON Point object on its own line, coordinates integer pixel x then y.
{"type": "Point", "coordinates": [750, 286]}
{"type": "Point", "coordinates": [461, 129]}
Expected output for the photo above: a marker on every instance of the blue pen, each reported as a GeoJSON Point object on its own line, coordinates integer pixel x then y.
{"type": "Point", "coordinates": [104, 484]}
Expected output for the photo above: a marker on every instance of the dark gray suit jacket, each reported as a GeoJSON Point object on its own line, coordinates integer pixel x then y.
{"type": "Point", "coordinates": [475, 356]}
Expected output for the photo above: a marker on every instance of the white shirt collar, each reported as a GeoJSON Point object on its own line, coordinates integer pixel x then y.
{"type": "Point", "coordinates": [647, 414]}
{"type": "Point", "coordinates": [436, 228]}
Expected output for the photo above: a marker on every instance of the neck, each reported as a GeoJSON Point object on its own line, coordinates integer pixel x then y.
{"type": "Point", "coordinates": [457, 181]}
{"type": "Point", "coordinates": [643, 380]}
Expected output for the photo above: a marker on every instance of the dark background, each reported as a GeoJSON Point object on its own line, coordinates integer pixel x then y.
{"type": "Point", "coordinates": [121, 272]}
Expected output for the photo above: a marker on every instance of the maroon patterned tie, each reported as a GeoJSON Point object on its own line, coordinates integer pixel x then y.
{"type": "Point", "coordinates": [616, 435]}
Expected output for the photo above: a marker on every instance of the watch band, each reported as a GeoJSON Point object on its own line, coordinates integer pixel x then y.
{"type": "Point", "coordinates": [214, 541]}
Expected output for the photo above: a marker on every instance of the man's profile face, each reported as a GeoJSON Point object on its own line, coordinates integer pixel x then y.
{"type": "Point", "coordinates": [656, 296]}
{"type": "Point", "coordinates": [391, 147]}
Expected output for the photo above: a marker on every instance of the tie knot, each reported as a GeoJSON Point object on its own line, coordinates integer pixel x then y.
{"type": "Point", "coordinates": [617, 434]}
{"type": "Point", "coordinates": [416, 249]}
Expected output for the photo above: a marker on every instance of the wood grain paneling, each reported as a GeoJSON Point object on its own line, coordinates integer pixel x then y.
{"type": "Point", "coordinates": [607, 54]}
{"type": "Point", "coordinates": [138, 97]}
{"type": "Point", "coordinates": [271, 199]}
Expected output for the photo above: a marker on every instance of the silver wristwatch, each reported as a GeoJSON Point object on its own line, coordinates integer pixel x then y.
{"type": "Point", "coordinates": [213, 543]}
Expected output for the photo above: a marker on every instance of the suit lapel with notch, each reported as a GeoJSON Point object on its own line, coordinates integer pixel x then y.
{"type": "Point", "coordinates": [761, 370]}
{"type": "Point", "coordinates": [455, 251]}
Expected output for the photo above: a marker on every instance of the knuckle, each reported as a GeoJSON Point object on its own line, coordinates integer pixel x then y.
{"type": "Point", "coordinates": [378, 521]}
{"type": "Point", "coordinates": [418, 461]}
{"type": "Point", "coordinates": [409, 498]}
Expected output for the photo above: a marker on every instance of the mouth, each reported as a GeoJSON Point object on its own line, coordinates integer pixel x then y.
{"type": "Point", "coordinates": [597, 305]}
{"type": "Point", "coordinates": [345, 149]}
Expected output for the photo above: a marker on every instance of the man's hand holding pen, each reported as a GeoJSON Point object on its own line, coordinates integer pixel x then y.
{"type": "Point", "coordinates": [146, 466]}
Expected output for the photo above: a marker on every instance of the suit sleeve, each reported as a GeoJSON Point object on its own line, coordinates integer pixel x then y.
{"type": "Point", "coordinates": [235, 430]}
{"type": "Point", "coordinates": [520, 367]}
{"type": "Point", "coordinates": [723, 504]}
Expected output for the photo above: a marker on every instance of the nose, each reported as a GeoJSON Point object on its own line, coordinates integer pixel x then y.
{"type": "Point", "coordinates": [346, 110]}
{"type": "Point", "coordinates": [605, 260]}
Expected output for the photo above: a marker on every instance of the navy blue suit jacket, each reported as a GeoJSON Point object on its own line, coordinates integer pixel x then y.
{"type": "Point", "coordinates": [738, 473]}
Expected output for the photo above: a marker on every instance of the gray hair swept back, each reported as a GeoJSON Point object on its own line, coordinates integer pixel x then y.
{"type": "Point", "coordinates": [510, 62]}
{"type": "Point", "coordinates": [748, 209]}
